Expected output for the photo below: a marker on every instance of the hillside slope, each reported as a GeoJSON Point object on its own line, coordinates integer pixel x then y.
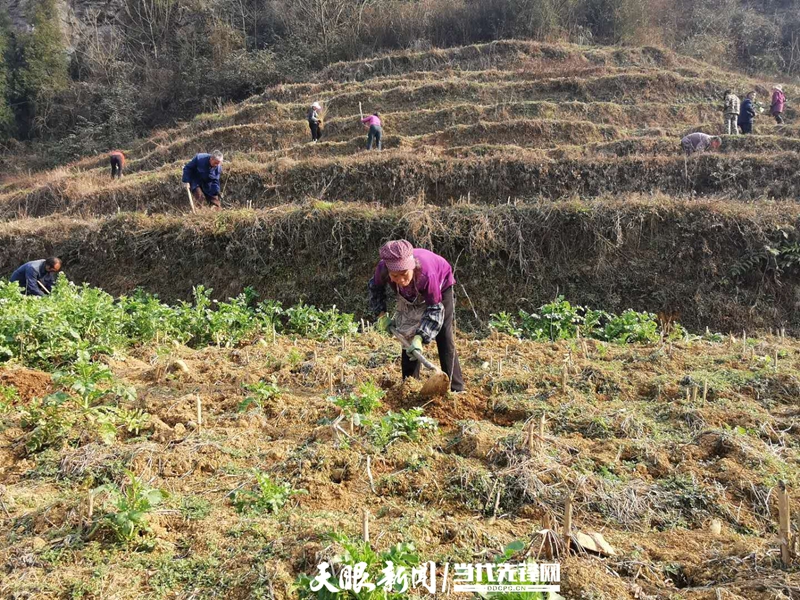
{"type": "Point", "coordinates": [494, 154]}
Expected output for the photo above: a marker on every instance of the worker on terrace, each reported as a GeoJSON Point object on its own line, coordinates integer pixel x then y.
{"type": "Point", "coordinates": [37, 277]}
{"type": "Point", "coordinates": [315, 121]}
{"type": "Point", "coordinates": [747, 114]}
{"type": "Point", "coordinates": [117, 159]}
{"type": "Point", "coordinates": [731, 112]}
{"type": "Point", "coordinates": [778, 102]}
{"type": "Point", "coordinates": [373, 123]}
{"type": "Point", "coordinates": [201, 177]}
{"type": "Point", "coordinates": [700, 142]}
{"type": "Point", "coordinates": [423, 285]}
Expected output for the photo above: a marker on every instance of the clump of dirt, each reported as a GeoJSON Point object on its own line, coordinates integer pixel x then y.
{"type": "Point", "coordinates": [28, 382]}
{"type": "Point", "coordinates": [447, 409]}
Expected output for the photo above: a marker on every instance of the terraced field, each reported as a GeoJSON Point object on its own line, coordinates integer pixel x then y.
{"type": "Point", "coordinates": [206, 450]}
{"type": "Point", "coordinates": [493, 153]}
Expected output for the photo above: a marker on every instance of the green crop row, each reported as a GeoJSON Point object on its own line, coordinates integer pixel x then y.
{"type": "Point", "coordinates": [52, 331]}
{"type": "Point", "coordinates": [560, 320]}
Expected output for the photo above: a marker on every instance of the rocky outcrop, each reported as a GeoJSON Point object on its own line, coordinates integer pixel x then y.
{"type": "Point", "coordinates": [79, 18]}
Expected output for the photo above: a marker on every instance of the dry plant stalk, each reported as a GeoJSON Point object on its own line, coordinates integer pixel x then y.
{"type": "Point", "coordinates": [365, 524]}
{"type": "Point", "coordinates": [784, 530]}
{"type": "Point", "coordinates": [531, 439]}
{"type": "Point", "coordinates": [496, 507]}
{"type": "Point", "coordinates": [369, 474]}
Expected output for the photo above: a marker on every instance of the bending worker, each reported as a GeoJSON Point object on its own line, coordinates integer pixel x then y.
{"type": "Point", "coordinates": [373, 122]}
{"type": "Point", "coordinates": [700, 142]}
{"type": "Point", "coordinates": [201, 177]}
{"type": "Point", "coordinates": [37, 277]}
{"type": "Point", "coordinates": [117, 159]}
{"type": "Point", "coordinates": [423, 284]}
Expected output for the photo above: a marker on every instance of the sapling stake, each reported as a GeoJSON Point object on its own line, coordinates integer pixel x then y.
{"type": "Point", "coordinates": [567, 522]}
{"type": "Point", "coordinates": [775, 366]}
{"type": "Point", "coordinates": [541, 428]}
{"type": "Point", "coordinates": [705, 390]}
{"type": "Point", "coordinates": [694, 393]}
{"type": "Point", "coordinates": [198, 404]}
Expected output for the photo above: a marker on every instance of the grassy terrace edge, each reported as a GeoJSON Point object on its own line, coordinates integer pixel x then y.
{"type": "Point", "coordinates": [710, 263]}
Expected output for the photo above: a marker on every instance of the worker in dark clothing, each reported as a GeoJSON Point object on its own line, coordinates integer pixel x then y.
{"type": "Point", "coordinates": [117, 159]}
{"type": "Point", "coordinates": [747, 114]}
{"type": "Point", "coordinates": [37, 277]}
{"type": "Point", "coordinates": [201, 177]}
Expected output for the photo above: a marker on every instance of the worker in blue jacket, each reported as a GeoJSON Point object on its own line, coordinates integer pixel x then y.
{"type": "Point", "coordinates": [201, 178]}
{"type": "Point", "coordinates": [37, 277]}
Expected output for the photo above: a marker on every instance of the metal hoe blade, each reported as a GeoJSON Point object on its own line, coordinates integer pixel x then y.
{"type": "Point", "coordinates": [438, 384]}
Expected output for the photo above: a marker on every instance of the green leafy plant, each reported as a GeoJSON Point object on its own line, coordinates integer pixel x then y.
{"type": "Point", "coordinates": [362, 402]}
{"type": "Point", "coordinates": [47, 420]}
{"type": "Point", "coordinates": [504, 322]}
{"type": "Point", "coordinates": [632, 326]}
{"type": "Point", "coordinates": [8, 397]}
{"type": "Point", "coordinates": [90, 380]}
{"type": "Point", "coordinates": [310, 321]}
{"type": "Point", "coordinates": [261, 394]}
{"type": "Point", "coordinates": [560, 320]}
{"type": "Point", "coordinates": [409, 424]}
{"type": "Point", "coordinates": [268, 495]}
{"type": "Point", "coordinates": [132, 503]}
{"type": "Point", "coordinates": [75, 321]}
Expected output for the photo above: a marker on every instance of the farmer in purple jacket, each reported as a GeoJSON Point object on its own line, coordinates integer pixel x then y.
{"type": "Point", "coordinates": [778, 103]}
{"type": "Point", "coordinates": [423, 284]}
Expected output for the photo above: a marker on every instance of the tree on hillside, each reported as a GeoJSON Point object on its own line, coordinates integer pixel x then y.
{"type": "Point", "coordinates": [6, 115]}
{"type": "Point", "coordinates": [41, 68]}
